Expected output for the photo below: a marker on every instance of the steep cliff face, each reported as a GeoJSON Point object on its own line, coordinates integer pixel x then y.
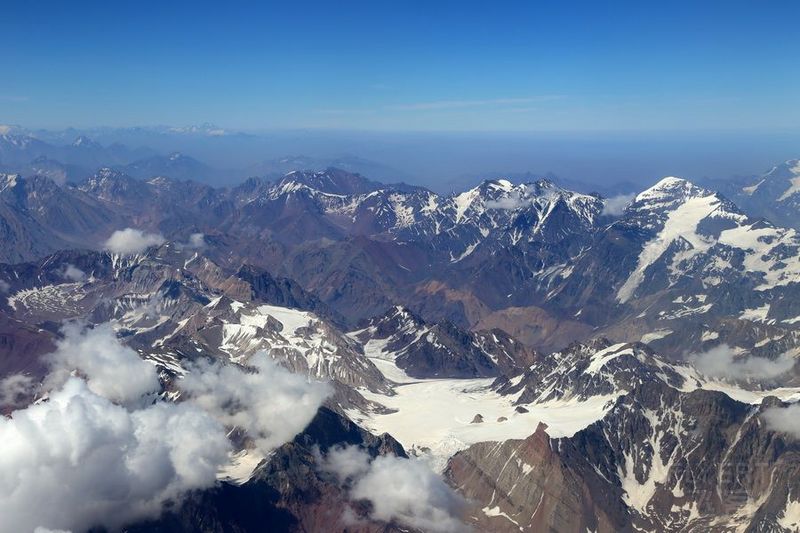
{"type": "Point", "coordinates": [529, 485]}
{"type": "Point", "coordinates": [441, 350]}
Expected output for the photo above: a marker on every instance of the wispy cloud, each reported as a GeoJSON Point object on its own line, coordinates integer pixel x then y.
{"type": "Point", "coordinates": [507, 104]}
{"type": "Point", "coordinates": [728, 362]}
{"type": "Point", "coordinates": [13, 98]}
{"type": "Point", "coordinates": [616, 205]}
{"type": "Point", "coordinates": [457, 104]}
{"type": "Point", "coordinates": [346, 111]}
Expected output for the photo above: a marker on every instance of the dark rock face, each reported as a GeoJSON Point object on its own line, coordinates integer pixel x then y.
{"type": "Point", "coordinates": [282, 292]}
{"type": "Point", "coordinates": [529, 485]}
{"type": "Point", "coordinates": [581, 371]}
{"type": "Point", "coordinates": [443, 350]}
{"type": "Point", "coordinates": [659, 460]}
{"type": "Point", "coordinates": [38, 217]}
{"type": "Point", "coordinates": [772, 195]}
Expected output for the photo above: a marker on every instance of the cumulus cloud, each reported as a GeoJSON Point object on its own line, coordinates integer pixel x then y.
{"type": "Point", "coordinates": [73, 273]}
{"type": "Point", "coordinates": [78, 460]}
{"type": "Point", "coordinates": [131, 241]}
{"type": "Point", "coordinates": [725, 362]}
{"type": "Point", "coordinates": [102, 450]}
{"type": "Point", "coordinates": [4, 286]}
{"type": "Point", "coordinates": [402, 490]}
{"type": "Point", "coordinates": [784, 419]}
{"type": "Point", "coordinates": [616, 205]}
{"type": "Point", "coordinates": [345, 462]}
{"type": "Point", "coordinates": [111, 369]}
{"type": "Point", "coordinates": [271, 404]}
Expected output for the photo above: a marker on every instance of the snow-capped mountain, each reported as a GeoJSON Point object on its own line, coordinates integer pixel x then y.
{"type": "Point", "coordinates": [629, 438]}
{"type": "Point", "coordinates": [173, 305]}
{"type": "Point", "coordinates": [441, 350]}
{"type": "Point", "coordinates": [496, 211]}
{"type": "Point", "coordinates": [774, 195]}
{"type": "Point", "coordinates": [683, 258]}
{"type": "Point", "coordinates": [533, 258]}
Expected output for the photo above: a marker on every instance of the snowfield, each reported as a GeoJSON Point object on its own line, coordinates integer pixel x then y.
{"type": "Point", "coordinates": [433, 416]}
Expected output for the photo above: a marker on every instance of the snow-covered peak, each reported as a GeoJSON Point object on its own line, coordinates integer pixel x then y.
{"type": "Point", "coordinates": [206, 128]}
{"type": "Point", "coordinates": [691, 228]}
{"type": "Point", "coordinates": [82, 141]}
{"type": "Point", "coordinates": [668, 189]}
{"type": "Point", "coordinates": [329, 181]}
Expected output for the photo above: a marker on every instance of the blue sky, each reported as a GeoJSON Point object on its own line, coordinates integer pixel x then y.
{"type": "Point", "coordinates": [403, 66]}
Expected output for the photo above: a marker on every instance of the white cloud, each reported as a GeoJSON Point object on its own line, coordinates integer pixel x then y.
{"type": "Point", "coordinates": [4, 286]}
{"type": "Point", "coordinates": [14, 389]}
{"type": "Point", "coordinates": [784, 419]}
{"type": "Point", "coordinates": [402, 490]}
{"type": "Point", "coordinates": [616, 205]}
{"type": "Point", "coordinates": [271, 404]}
{"type": "Point", "coordinates": [102, 451]}
{"type": "Point", "coordinates": [346, 463]}
{"type": "Point", "coordinates": [73, 273]}
{"type": "Point", "coordinates": [725, 362]}
{"type": "Point", "coordinates": [111, 369]}
{"type": "Point", "coordinates": [78, 460]}
{"type": "Point", "coordinates": [196, 240]}
{"type": "Point", "coordinates": [460, 104]}
{"type": "Point", "coordinates": [513, 201]}
{"type": "Point", "coordinates": [131, 241]}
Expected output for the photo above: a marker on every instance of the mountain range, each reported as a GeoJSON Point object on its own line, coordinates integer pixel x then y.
{"type": "Point", "coordinates": [539, 358]}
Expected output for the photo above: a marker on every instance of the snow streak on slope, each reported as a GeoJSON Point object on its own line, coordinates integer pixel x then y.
{"type": "Point", "coordinates": [794, 188]}
{"type": "Point", "coordinates": [680, 224]}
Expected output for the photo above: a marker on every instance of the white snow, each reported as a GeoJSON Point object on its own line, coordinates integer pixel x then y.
{"type": "Point", "coordinates": [602, 357]}
{"type": "Point", "coordinates": [793, 189]}
{"type": "Point", "coordinates": [758, 314]}
{"type": "Point", "coordinates": [681, 223]}
{"type": "Point", "coordinates": [464, 201]}
{"type": "Point", "coordinates": [753, 188]}
{"type": "Point", "coordinates": [638, 495]}
{"type": "Point", "coordinates": [655, 335]}
{"type": "Point", "coordinates": [437, 413]}
{"type": "Point", "coordinates": [760, 244]}
{"type": "Point", "coordinates": [241, 467]}
{"type": "Point", "coordinates": [495, 511]}
{"type": "Point", "coordinates": [291, 319]}
{"type": "Point", "coordinates": [790, 519]}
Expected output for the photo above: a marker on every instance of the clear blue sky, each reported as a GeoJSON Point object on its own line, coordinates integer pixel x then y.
{"type": "Point", "coordinates": [395, 65]}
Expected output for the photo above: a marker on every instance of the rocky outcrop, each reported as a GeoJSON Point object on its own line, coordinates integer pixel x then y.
{"type": "Point", "coordinates": [442, 350]}
{"type": "Point", "coordinates": [529, 485]}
